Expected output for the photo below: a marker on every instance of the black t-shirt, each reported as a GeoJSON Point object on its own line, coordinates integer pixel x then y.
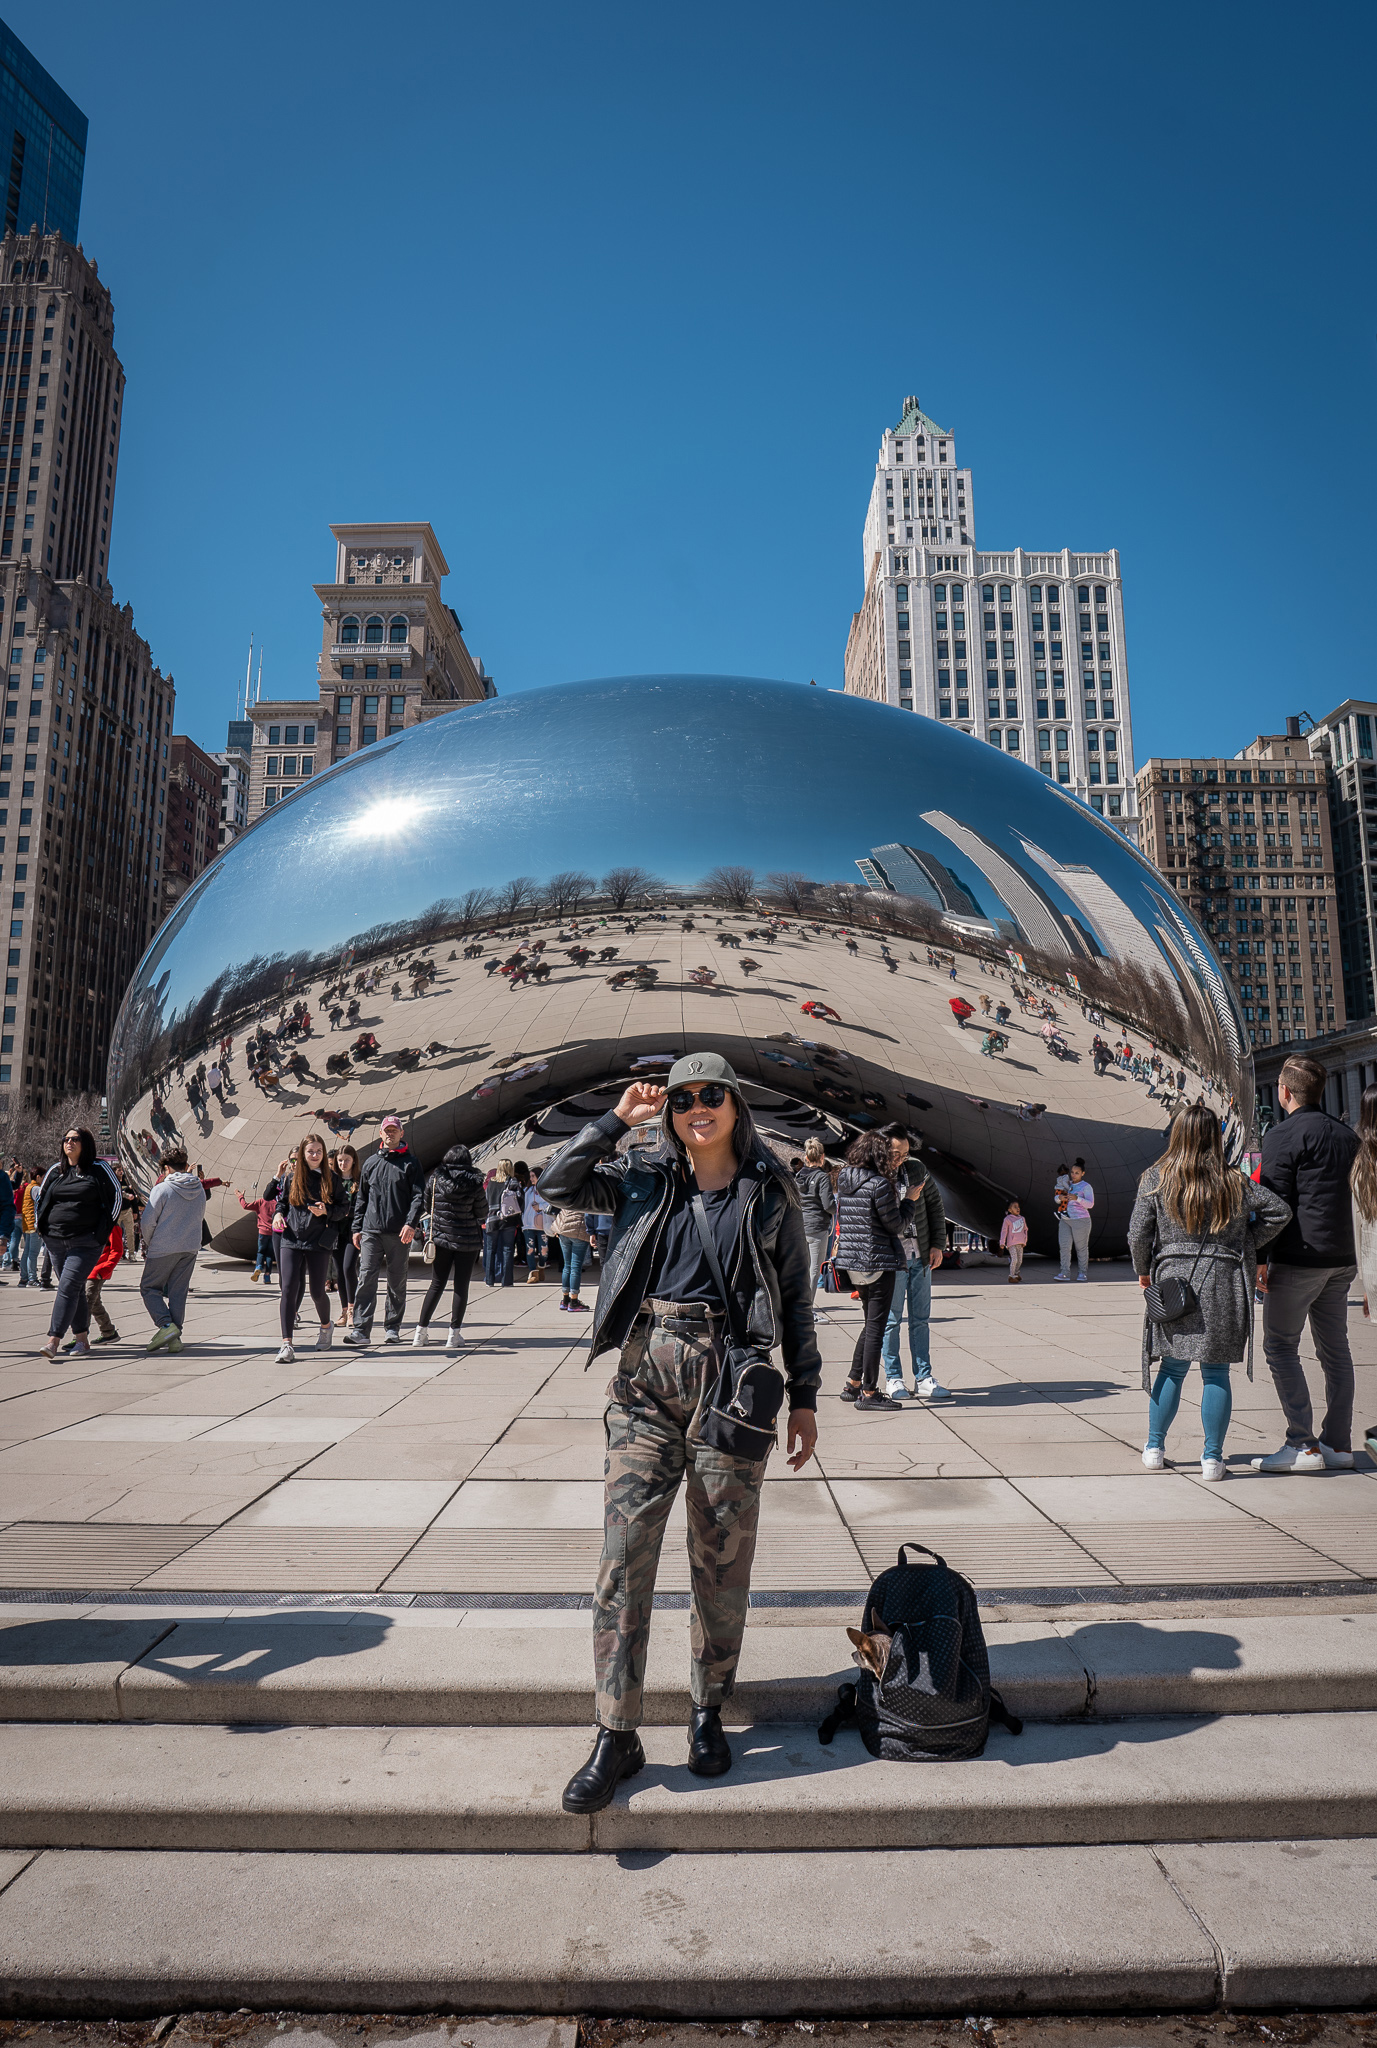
{"type": "Point", "coordinates": [680, 1272]}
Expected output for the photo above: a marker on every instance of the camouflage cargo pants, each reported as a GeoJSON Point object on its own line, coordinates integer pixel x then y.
{"type": "Point", "coordinates": [651, 1446]}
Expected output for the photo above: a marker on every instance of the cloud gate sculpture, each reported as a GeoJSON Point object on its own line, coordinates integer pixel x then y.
{"type": "Point", "coordinates": [529, 900]}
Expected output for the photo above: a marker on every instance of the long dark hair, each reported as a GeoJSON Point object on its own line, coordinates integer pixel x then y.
{"type": "Point", "coordinates": [1199, 1190]}
{"type": "Point", "coordinates": [1363, 1178]}
{"type": "Point", "coordinates": [86, 1158]}
{"type": "Point", "coordinates": [871, 1151]}
{"type": "Point", "coordinates": [300, 1196]}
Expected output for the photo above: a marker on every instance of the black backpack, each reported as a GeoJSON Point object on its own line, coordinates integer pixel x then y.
{"type": "Point", "coordinates": [933, 1703]}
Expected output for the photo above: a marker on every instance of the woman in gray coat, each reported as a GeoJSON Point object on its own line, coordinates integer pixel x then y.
{"type": "Point", "coordinates": [1200, 1221]}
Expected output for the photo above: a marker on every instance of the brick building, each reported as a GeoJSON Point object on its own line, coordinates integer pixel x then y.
{"type": "Point", "coordinates": [190, 838]}
{"type": "Point", "coordinates": [1245, 840]}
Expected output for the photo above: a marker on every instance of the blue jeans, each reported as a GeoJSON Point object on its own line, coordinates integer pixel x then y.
{"type": "Point", "coordinates": [28, 1258]}
{"type": "Point", "coordinates": [1216, 1404]}
{"type": "Point", "coordinates": [571, 1251]}
{"type": "Point", "coordinates": [915, 1287]}
{"type": "Point", "coordinates": [499, 1250]}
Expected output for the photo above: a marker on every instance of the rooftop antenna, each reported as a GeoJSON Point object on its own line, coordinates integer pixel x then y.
{"type": "Point", "coordinates": [259, 690]}
{"type": "Point", "coordinates": [248, 680]}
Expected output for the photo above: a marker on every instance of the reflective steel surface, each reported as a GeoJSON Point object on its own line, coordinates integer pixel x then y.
{"type": "Point", "coordinates": [694, 810]}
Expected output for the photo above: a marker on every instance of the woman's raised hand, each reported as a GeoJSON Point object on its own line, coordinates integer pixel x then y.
{"type": "Point", "coordinates": [642, 1101]}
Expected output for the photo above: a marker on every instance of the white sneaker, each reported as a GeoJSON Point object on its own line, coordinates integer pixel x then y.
{"type": "Point", "coordinates": [422, 1336]}
{"type": "Point", "coordinates": [927, 1389]}
{"type": "Point", "coordinates": [356, 1339]}
{"type": "Point", "coordinates": [1213, 1468]}
{"type": "Point", "coordinates": [455, 1341]}
{"type": "Point", "coordinates": [392, 1336]}
{"type": "Point", "coordinates": [326, 1337]}
{"type": "Point", "coordinates": [286, 1356]}
{"type": "Point", "coordinates": [1291, 1458]}
{"type": "Point", "coordinates": [1336, 1461]}
{"type": "Point", "coordinates": [1153, 1458]}
{"type": "Point", "coordinates": [896, 1390]}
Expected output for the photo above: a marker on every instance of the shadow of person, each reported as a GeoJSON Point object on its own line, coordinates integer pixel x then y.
{"type": "Point", "coordinates": [195, 1650]}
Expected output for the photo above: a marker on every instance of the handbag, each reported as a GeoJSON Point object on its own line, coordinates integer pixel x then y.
{"type": "Point", "coordinates": [429, 1252]}
{"type": "Point", "coordinates": [748, 1392]}
{"type": "Point", "coordinates": [1169, 1300]}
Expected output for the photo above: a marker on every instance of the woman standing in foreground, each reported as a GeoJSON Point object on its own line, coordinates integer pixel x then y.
{"type": "Point", "coordinates": [711, 1198]}
{"type": "Point", "coordinates": [1200, 1221]}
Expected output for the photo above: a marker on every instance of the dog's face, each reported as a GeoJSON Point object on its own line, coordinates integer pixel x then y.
{"type": "Point", "coordinates": [871, 1652]}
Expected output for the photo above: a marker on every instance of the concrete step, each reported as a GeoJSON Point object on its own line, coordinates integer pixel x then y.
{"type": "Point", "coordinates": [372, 1671]}
{"type": "Point", "coordinates": [937, 1931]}
{"type": "Point", "coordinates": [1247, 1777]}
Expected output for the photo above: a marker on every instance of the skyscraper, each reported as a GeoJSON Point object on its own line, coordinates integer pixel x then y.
{"type": "Point", "coordinates": [43, 141]}
{"type": "Point", "coordinates": [88, 716]}
{"type": "Point", "coordinates": [1026, 651]}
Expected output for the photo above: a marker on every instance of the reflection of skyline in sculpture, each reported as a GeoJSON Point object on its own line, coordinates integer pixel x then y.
{"type": "Point", "coordinates": [905, 871]}
{"type": "Point", "coordinates": [445, 843]}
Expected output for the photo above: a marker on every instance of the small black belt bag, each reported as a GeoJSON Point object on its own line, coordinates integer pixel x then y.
{"type": "Point", "coordinates": [1169, 1300]}
{"type": "Point", "coordinates": [744, 1401]}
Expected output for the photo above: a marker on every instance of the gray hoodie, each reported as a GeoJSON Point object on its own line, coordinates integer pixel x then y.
{"type": "Point", "coordinates": [171, 1220]}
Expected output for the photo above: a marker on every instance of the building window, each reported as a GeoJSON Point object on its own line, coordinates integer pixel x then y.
{"type": "Point", "coordinates": [370, 707]}
{"type": "Point", "coordinates": [272, 768]}
{"type": "Point", "coordinates": [370, 733]}
{"type": "Point", "coordinates": [344, 707]}
{"type": "Point", "coordinates": [373, 630]}
{"type": "Point", "coordinates": [349, 632]}
{"type": "Point", "coordinates": [341, 735]}
{"type": "Point", "coordinates": [396, 632]}
{"type": "Point", "coordinates": [274, 735]}
{"type": "Point", "coordinates": [288, 765]}
{"type": "Point", "coordinates": [308, 735]}
{"type": "Point", "coordinates": [308, 764]}
{"type": "Point", "coordinates": [269, 798]}
{"type": "Point", "coordinates": [396, 707]}
{"type": "Point", "coordinates": [346, 669]}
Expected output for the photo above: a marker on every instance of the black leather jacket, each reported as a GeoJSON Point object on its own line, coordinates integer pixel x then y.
{"type": "Point", "coordinates": [774, 1296]}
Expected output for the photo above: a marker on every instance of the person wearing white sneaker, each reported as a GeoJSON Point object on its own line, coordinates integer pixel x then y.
{"type": "Point", "coordinates": [312, 1205]}
{"type": "Point", "coordinates": [1194, 1235]}
{"type": "Point", "coordinates": [1308, 1160]}
{"type": "Point", "coordinates": [458, 1210]}
{"type": "Point", "coordinates": [923, 1233]}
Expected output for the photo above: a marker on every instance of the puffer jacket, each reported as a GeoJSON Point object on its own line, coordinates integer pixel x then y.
{"type": "Point", "coordinates": [1220, 1268]}
{"type": "Point", "coordinates": [869, 1222]}
{"type": "Point", "coordinates": [300, 1228]}
{"type": "Point", "coordinates": [769, 1277]}
{"type": "Point", "coordinates": [460, 1205]}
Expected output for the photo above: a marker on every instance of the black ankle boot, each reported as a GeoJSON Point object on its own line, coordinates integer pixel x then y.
{"type": "Point", "coordinates": [617, 1754]}
{"type": "Point", "coordinates": [709, 1752]}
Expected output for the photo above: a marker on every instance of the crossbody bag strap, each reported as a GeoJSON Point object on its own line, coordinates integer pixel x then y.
{"type": "Point", "coordinates": [701, 1225]}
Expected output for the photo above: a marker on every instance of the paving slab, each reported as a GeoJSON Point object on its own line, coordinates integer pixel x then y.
{"type": "Point", "coordinates": [113, 1933]}
{"type": "Point", "coordinates": [1295, 1922]}
{"type": "Point", "coordinates": [1242, 1665]}
{"type": "Point", "coordinates": [427, 1790]}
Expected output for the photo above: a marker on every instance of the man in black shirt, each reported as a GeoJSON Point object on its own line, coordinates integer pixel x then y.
{"type": "Point", "coordinates": [1306, 1160]}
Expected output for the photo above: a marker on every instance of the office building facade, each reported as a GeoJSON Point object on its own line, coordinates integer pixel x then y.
{"type": "Point", "coordinates": [1245, 842]}
{"type": "Point", "coordinates": [42, 145]}
{"type": "Point", "coordinates": [392, 656]}
{"type": "Point", "coordinates": [1343, 744]}
{"type": "Point", "coordinates": [190, 841]}
{"type": "Point", "coordinates": [86, 738]}
{"type": "Point", "coordinates": [1024, 650]}
{"type": "Point", "coordinates": [234, 781]}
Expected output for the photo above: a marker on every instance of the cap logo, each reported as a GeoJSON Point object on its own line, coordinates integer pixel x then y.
{"type": "Point", "coordinates": [695, 1066]}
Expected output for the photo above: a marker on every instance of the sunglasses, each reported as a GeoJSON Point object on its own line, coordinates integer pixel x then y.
{"type": "Point", "coordinates": [711, 1096]}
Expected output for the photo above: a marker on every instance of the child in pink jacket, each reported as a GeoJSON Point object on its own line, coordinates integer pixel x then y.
{"type": "Point", "coordinates": [264, 1209]}
{"type": "Point", "coordinates": [1013, 1236]}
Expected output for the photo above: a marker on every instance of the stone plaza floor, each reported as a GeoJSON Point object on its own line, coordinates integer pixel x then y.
{"type": "Point", "coordinates": [452, 1487]}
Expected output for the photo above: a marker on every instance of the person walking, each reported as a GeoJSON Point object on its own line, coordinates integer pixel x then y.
{"type": "Point", "coordinates": [105, 1265]}
{"type": "Point", "coordinates": [505, 1200]}
{"type": "Point", "coordinates": [1307, 1160]}
{"type": "Point", "coordinates": [73, 1212]}
{"type": "Point", "coordinates": [458, 1211]}
{"type": "Point", "coordinates": [818, 1201]}
{"type": "Point", "coordinates": [710, 1200]}
{"type": "Point", "coordinates": [171, 1231]}
{"type": "Point", "coordinates": [347, 1170]}
{"type": "Point", "coordinates": [387, 1208]}
{"type": "Point", "coordinates": [1013, 1239]}
{"type": "Point", "coordinates": [1199, 1221]}
{"type": "Point", "coordinates": [312, 1205]}
{"type": "Point", "coordinates": [571, 1234]}
{"type": "Point", "coordinates": [923, 1234]}
{"type": "Point", "coordinates": [1075, 1200]}
{"type": "Point", "coordinates": [263, 1211]}
{"type": "Point", "coordinates": [869, 1247]}
{"type": "Point", "coordinates": [535, 1224]}
{"type": "Point", "coordinates": [29, 1241]}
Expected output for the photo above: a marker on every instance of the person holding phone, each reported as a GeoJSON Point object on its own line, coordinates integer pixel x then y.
{"type": "Point", "coordinates": [710, 1198]}
{"type": "Point", "coordinates": [312, 1205]}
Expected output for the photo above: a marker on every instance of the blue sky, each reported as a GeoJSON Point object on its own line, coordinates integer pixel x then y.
{"type": "Point", "coordinates": [621, 300]}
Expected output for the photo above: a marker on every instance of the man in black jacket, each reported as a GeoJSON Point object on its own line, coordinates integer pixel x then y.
{"type": "Point", "coordinates": [1306, 1160]}
{"type": "Point", "coordinates": [387, 1208]}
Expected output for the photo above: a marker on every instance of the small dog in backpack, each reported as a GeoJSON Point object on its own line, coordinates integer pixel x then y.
{"type": "Point", "coordinates": [871, 1652]}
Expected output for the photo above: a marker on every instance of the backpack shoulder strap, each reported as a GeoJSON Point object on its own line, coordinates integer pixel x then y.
{"type": "Point", "coordinates": [1000, 1714]}
{"type": "Point", "coordinates": [841, 1715]}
